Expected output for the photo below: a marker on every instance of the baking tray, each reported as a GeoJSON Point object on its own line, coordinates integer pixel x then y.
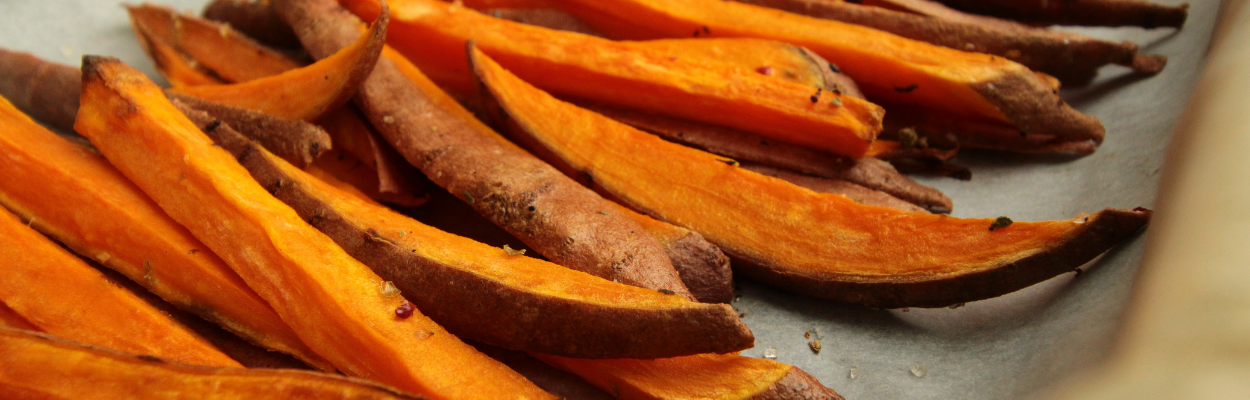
{"type": "Point", "coordinates": [1010, 347]}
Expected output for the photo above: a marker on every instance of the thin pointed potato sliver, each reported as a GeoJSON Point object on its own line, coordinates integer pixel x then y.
{"type": "Point", "coordinates": [308, 92]}
{"type": "Point", "coordinates": [812, 243]}
{"type": "Point", "coordinates": [214, 45]}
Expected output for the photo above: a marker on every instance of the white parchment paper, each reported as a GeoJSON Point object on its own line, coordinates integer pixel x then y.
{"type": "Point", "coordinates": [1004, 348]}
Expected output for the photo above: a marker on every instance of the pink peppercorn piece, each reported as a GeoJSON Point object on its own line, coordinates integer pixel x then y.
{"type": "Point", "coordinates": [404, 310]}
{"type": "Point", "coordinates": [765, 70]}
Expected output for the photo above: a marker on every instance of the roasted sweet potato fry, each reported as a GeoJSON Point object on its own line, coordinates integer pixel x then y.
{"type": "Point", "coordinates": [331, 300]}
{"type": "Point", "coordinates": [47, 91]}
{"type": "Point", "coordinates": [817, 244]}
{"type": "Point", "coordinates": [1070, 56]}
{"type": "Point", "coordinates": [177, 68]}
{"type": "Point", "coordinates": [946, 130]}
{"type": "Point", "coordinates": [433, 33]}
{"type": "Point", "coordinates": [1145, 14]}
{"type": "Point", "coordinates": [213, 45]}
{"type": "Point", "coordinates": [704, 376]}
{"type": "Point", "coordinates": [867, 172]}
{"type": "Point", "coordinates": [75, 196]}
{"type": "Point", "coordinates": [308, 92]}
{"type": "Point", "coordinates": [886, 67]}
{"type": "Point", "coordinates": [39, 366]}
{"type": "Point", "coordinates": [254, 18]}
{"type": "Point", "coordinates": [531, 304]}
{"type": "Point", "coordinates": [57, 292]}
{"type": "Point", "coordinates": [536, 203]}
{"type": "Point", "coordinates": [298, 142]}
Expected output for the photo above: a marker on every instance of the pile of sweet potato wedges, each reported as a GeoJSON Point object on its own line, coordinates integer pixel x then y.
{"type": "Point", "coordinates": [317, 187]}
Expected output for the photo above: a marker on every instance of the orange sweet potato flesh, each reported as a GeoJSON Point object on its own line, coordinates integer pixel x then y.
{"type": "Point", "coordinates": [57, 292]}
{"type": "Point", "coordinates": [39, 366]}
{"type": "Point", "coordinates": [213, 45]}
{"type": "Point", "coordinates": [331, 300]}
{"type": "Point", "coordinates": [177, 68]}
{"type": "Point", "coordinates": [812, 243]}
{"type": "Point", "coordinates": [886, 67]}
{"type": "Point", "coordinates": [308, 92]}
{"type": "Point", "coordinates": [433, 33]}
{"type": "Point", "coordinates": [742, 146]}
{"type": "Point", "coordinates": [533, 305]}
{"type": "Point", "coordinates": [530, 199]}
{"type": "Point", "coordinates": [1146, 14]}
{"type": "Point", "coordinates": [703, 376]}
{"type": "Point", "coordinates": [75, 196]}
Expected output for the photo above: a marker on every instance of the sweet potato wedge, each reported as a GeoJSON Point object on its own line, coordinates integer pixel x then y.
{"type": "Point", "coordinates": [433, 33]}
{"type": "Point", "coordinates": [531, 200]}
{"type": "Point", "coordinates": [746, 147]}
{"type": "Point", "coordinates": [703, 376]}
{"type": "Point", "coordinates": [255, 18]}
{"type": "Point", "coordinates": [1070, 56]}
{"type": "Point", "coordinates": [331, 300]}
{"type": "Point", "coordinates": [75, 196]}
{"type": "Point", "coordinates": [1145, 14]}
{"type": "Point", "coordinates": [817, 244]}
{"type": "Point", "coordinates": [47, 91]}
{"type": "Point", "coordinates": [308, 92]}
{"type": "Point", "coordinates": [39, 366]}
{"type": "Point", "coordinates": [533, 305]}
{"type": "Point", "coordinates": [946, 130]}
{"type": "Point", "coordinates": [57, 292]}
{"type": "Point", "coordinates": [886, 67]}
{"type": "Point", "coordinates": [177, 68]}
{"type": "Point", "coordinates": [213, 45]}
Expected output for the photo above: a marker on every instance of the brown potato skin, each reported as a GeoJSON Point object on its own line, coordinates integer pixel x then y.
{"type": "Point", "coordinates": [536, 203]}
{"type": "Point", "coordinates": [254, 18]}
{"type": "Point", "coordinates": [1080, 12]}
{"type": "Point", "coordinates": [1072, 57]}
{"type": "Point", "coordinates": [46, 91]}
{"type": "Point", "coordinates": [297, 142]}
{"type": "Point", "coordinates": [1101, 231]}
{"type": "Point", "coordinates": [867, 171]}
{"type": "Point", "coordinates": [797, 385]}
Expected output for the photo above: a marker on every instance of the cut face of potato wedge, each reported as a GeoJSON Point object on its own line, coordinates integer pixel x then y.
{"type": "Point", "coordinates": [532, 304]}
{"type": "Point", "coordinates": [308, 92]}
{"type": "Point", "coordinates": [703, 376]}
{"type": "Point", "coordinates": [60, 294]}
{"type": "Point", "coordinates": [75, 196]}
{"type": "Point", "coordinates": [177, 68]}
{"type": "Point", "coordinates": [332, 301]}
{"type": "Point", "coordinates": [214, 45]}
{"type": "Point", "coordinates": [886, 67]}
{"type": "Point", "coordinates": [817, 244]}
{"type": "Point", "coordinates": [38, 366]}
{"type": "Point", "coordinates": [432, 34]}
